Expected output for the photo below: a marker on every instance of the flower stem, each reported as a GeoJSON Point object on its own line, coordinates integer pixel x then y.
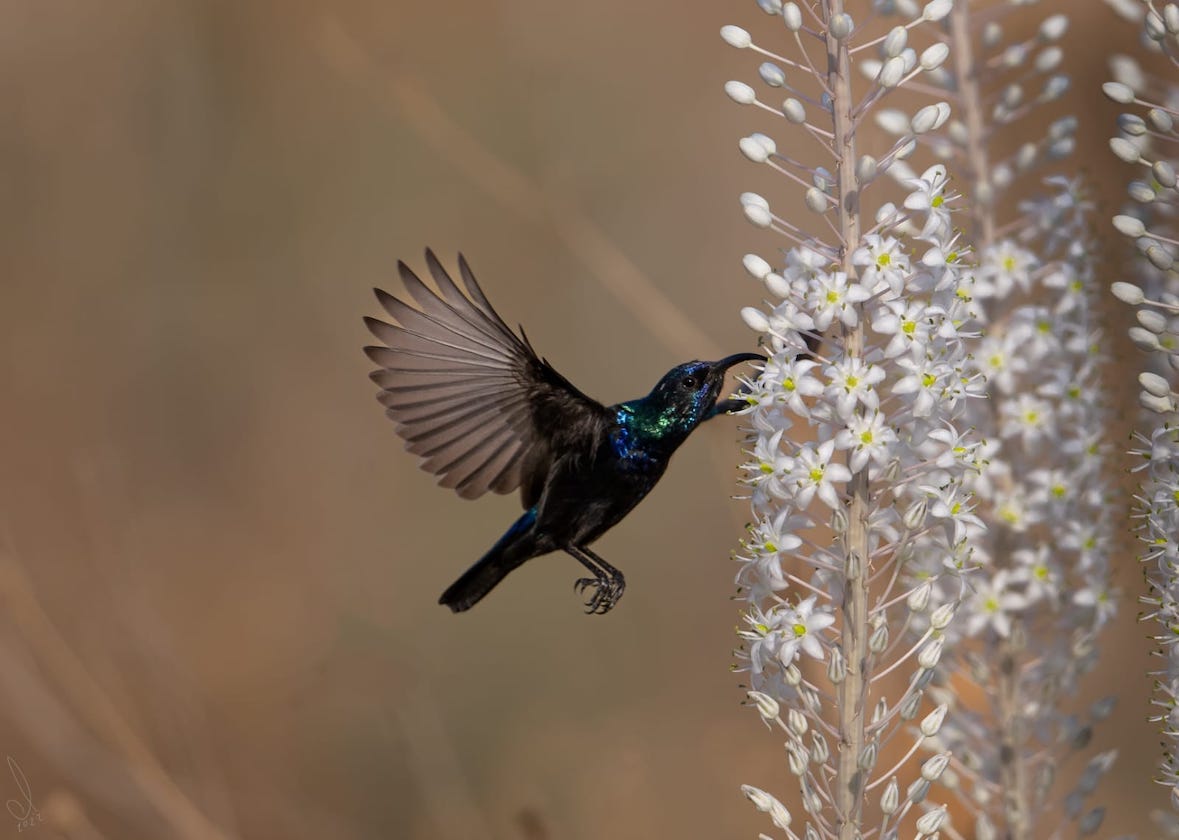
{"type": "Point", "coordinates": [962, 50]}
{"type": "Point", "coordinates": [850, 782]}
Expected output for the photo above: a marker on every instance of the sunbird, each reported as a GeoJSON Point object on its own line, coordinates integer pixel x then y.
{"type": "Point", "coordinates": [485, 412]}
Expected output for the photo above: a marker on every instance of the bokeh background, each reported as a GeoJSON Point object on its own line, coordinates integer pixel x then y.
{"type": "Point", "coordinates": [219, 570]}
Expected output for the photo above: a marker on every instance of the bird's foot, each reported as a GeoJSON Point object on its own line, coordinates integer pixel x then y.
{"type": "Point", "coordinates": [605, 594]}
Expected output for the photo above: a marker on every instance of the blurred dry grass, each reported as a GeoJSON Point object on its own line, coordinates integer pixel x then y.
{"type": "Point", "coordinates": [220, 570]}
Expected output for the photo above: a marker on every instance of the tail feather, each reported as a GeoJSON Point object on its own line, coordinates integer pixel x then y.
{"type": "Point", "coordinates": [509, 552]}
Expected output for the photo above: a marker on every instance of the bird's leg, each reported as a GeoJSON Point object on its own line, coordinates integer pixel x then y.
{"type": "Point", "coordinates": [607, 582]}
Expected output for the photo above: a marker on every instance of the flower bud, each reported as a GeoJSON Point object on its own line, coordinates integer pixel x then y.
{"type": "Point", "coordinates": [1154, 384]}
{"type": "Point", "coordinates": [932, 768]}
{"type": "Point", "coordinates": [932, 722]}
{"type": "Point", "coordinates": [1144, 339]}
{"type": "Point", "coordinates": [816, 200]}
{"type": "Point", "coordinates": [918, 599]}
{"type": "Point", "coordinates": [819, 750]}
{"type": "Point", "coordinates": [910, 705]}
{"type": "Point", "coordinates": [836, 666]}
{"type": "Point", "coordinates": [1053, 28]}
{"type": "Point", "coordinates": [878, 641]}
{"type": "Point", "coordinates": [792, 16]}
{"type": "Point", "coordinates": [934, 56]}
{"type": "Point", "coordinates": [867, 759]}
{"type": "Point", "coordinates": [753, 150]}
{"type": "Point", "coordinates": [793, 111]}
{"type": "Point", "coordinates": [1129, 226]}
{"type": "Point", "coordinates": [895, 43]}
{"type": "Point", "coordinates": [1125, 151]}
{"type": "Point", "coordinates": [766, 705]}
{"type": "Point", "coordinates": [796, 722]}
{"type": "Point", "coordinates": [735, 36]}
{"type": "Point", "coordinates": [937, 9]}
{"type": "Point", "coordinates": [1164, 173]}
{"type": "Point", "coordinates": [1156, 322]}
{"type": "Point", "coordinates": [891, 72]}
{"type": "Point", "coordinates": [740, 93]}
{"type": "Point", "coordinates": [931, 653]}
{"type": "Point", "coordinates": [942, 616]}
{"type": "Point", "coordinates": [772, 74]}
{"type": "Point", "coordinates": [756, 266]}
{"type": "Point", "coordinates": [1159, 257]}
{"type": "Point", "coordinates": [891, 798]}
{"type": "Point", "coordinates": [1127, 293]}
{"type": "Point", "coordinates": [865, 169]}
{"type": "Point", "coordinates": [841, 26]}
{"type": "Point", "coordinates": [931, 822]}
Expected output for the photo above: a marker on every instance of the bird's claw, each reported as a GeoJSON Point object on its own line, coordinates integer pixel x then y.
{"type": "Point", "coordinates": [606, 592]}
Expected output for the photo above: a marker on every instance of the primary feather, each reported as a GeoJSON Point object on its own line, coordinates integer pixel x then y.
{"type": "Point", "coordinates": [465, 392]}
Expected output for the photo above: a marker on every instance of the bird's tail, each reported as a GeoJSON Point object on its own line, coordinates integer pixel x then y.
{"type": "Point", "coordinates": [508, 553]}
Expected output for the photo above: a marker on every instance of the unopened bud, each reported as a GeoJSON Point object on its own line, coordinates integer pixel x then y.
{"type": "Point", "coordinates": [891, 798]}
{"type": "Point", "coordinates": [792, 16]}
{"type": "Point", "coordinates": [932, 722]}
{"type": "Point", "coordinates": [933, 767]}
{"type": "Point", "coordinates": [931, 822]}
{"type": "Point", "coordinates": [766, 705]}
{"type": "Point", "coordinates": [931, 653]}
{"type": "Point", "coordinates": [918, 599]}
{"type": "Point", "coordinates": [942, 616]}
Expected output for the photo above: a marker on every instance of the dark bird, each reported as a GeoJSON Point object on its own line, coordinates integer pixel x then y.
{"type": "Point", "coordinates": [485, 412]}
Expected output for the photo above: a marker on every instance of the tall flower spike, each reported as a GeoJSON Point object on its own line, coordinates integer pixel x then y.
{"type": "Point", "coordinates": [868, 350]}
{"type": "Point", "coordinates": [1044, 579]}
{"type": "Point", "coordinates": [1150, 223]}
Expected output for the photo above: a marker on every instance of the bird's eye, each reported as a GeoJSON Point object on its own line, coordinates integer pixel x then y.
{"type": "Point", "coordinates": [689, 382]}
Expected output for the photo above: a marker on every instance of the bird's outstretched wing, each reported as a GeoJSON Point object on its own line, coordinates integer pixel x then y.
{"type": "Point", "coordinates": [468, 395]}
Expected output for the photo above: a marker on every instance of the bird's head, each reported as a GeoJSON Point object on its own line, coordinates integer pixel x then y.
{"type": "Point", "coordinates": [690, 393]}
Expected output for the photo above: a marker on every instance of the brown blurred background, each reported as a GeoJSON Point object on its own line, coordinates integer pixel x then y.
{"type": "Point", "coordinates": [220, 569]}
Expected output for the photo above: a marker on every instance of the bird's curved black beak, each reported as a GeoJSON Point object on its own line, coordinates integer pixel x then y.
{"type": "Point", "coordinates": [719, 368]}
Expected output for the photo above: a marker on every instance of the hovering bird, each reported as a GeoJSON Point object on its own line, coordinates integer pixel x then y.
{"type": "Point", "coordinates": [485, 412]}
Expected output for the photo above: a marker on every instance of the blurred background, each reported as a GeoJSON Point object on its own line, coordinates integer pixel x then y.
{"type": "Point", "coordinates": [218, 568]}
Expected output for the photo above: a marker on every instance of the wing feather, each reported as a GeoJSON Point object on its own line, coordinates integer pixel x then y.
{"type": "Point", "coordinates": [468, 395]}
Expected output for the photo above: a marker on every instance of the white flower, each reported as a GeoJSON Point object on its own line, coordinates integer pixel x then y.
{"type": "Point", "coordinates": [831, 297]}
{"type": "Point", "coordinates": [923, 386]}
{"type": "Point", "coordinates": [812, 473]}
{"type": "Point", "coordinates": [794, 382]}
{"type": "Point", "coordinates": [852, 382]}
{"type": "Point", "coordinates": [1038, 573]}
{"type": "Point", "coordinates": [992, 604]}
{"type": "Point", "coordinates": [928, 195]}
{"type": "Point", "coordinates": [886, 266]}
{"type": "Point", "coordinates": [1027, 417]}
{"type": "Point", "coordinates": [946, 504]}
{"type": "Point", "coordinates": [1004, 266]}
{"type": "Point", "coordinates": [1001, 361]}
{"type": "Point", "coordinates": [803, 631]}
{"type": "Point", "coordinates": [909, 323]}
{"type": "Point", "coordinates": [868, 438]}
